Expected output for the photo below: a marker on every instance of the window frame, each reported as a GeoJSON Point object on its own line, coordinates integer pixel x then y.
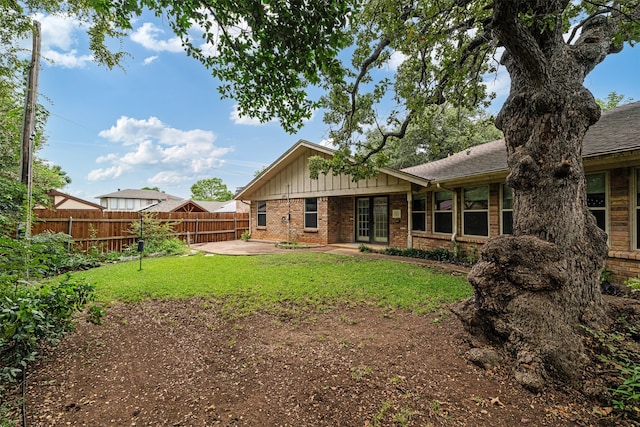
{"type": "Point", "coordinates": [421, 212]}
{"type": "Point", "coordinates": [504, 210]}
{"type": "Point", "coordinates": [465, 211]}
{"type": "Point", "coordinates": [604, 209]}
{"type": "Point", "coordinates": [441, 211]}
{"type": "Point", "coordinates": [310, 213]}
{"type": "Point", "coordinates": [261, 212]}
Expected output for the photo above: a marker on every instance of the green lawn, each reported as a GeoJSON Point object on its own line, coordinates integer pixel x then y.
{"type": "Point", "coordinates": [270, 282]}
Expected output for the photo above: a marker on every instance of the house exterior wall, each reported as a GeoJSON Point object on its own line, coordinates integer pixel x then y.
{"type": "Point", "coordinates": [123, 204]}
{"type": "Point", "coordinates": [398, 227]}
{"type": "Point", "coordinates": [624, 258]}
{"type": "Point", "coordinates": [341, 219]}
{"type": "Point", "coordinates": [280, 229]}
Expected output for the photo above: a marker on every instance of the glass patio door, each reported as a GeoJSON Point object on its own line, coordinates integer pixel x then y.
{"type": "Point", "coordinates": [372, 219]}
{"type": "Point", "coordinates": [362, 222]}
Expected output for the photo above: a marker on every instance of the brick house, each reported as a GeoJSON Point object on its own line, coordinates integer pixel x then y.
{"type": "Point", "coordinates": [456, 203]}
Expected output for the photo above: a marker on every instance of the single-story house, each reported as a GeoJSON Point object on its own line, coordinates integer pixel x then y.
{"type": "Point", "coordinates": [457, 202]}
{"type": "Point", "coordinates": [132, 200]}
{"type": "Point", "coordinates": [60, 200]}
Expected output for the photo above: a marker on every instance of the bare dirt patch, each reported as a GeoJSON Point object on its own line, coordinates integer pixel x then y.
{"type": "Point", "coordinates": [179, 363]}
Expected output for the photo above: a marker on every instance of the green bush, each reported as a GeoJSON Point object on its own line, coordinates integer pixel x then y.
{"type": "Point", "coordinates": [433, 254]}
{"type": "Point", "coordinates": [31, 315]}
{"type": "Point", "coordinates": [172, 246]}
{"type": "Point", "coordinates": [155, 234]}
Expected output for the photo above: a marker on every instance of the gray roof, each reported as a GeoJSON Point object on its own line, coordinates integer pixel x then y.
{"type": "Point", "coordinates": [140, 194]}
{"type": "Point", "coordinates": [174, 204]}
{"type": "Point", "coordinates": [210, 205]}
{"type": "Point", "coordinates": [618, 130]}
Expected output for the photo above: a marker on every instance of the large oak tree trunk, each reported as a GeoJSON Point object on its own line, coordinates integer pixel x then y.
{"type": "Point", "coordinates": [535, 288]}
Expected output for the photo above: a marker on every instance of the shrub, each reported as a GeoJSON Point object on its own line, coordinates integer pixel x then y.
{"type": "Point", "coordinates": [154, 233]}
{"type": "Point", "coordinates": [433, 254]}
{"type": "Point", "coordinates": [31, 315]}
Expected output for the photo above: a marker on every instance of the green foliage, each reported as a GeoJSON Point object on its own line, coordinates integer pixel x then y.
{"type": "Point", "coordinates": [44, 255]}
{"type": "Point", "coordinates": [158, 236]}
{"type": "Point", "coordinates": [431, 254]}
{"type": "Point", "coordinates": [31, 315]}
{"type": "Point", "coordinates": [612, 101]}
{"type": "Point", "coordinates": [212, 189]}
{"type": "Point", "coordinates": [95, 313]}
{"type": "Point", "coordinates": [619, 349]}
{"type": "Point", "coordinates": [633, 284]}
{"type": "Point", "coordinates": [439, 132]}
{"type": "Point", "coordinates": [245, 236]}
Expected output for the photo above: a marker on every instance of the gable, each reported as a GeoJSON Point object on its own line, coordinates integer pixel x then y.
{"type": "Point", "coordinates": [289, 176]}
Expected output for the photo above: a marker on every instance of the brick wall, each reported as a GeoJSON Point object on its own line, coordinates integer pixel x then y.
{"type": "Point", "coordinates": [341, 219]}
{"type": "Point", "coordinates": [398, 226]}
{"type": "Point", "coordinates": [281, 230]}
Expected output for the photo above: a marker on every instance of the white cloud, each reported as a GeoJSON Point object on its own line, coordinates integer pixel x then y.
{"type": "Point", "coordinates": [150, 59]}
{"type": "Point", "coordinates": [171, 155]}
{"type": "Point", "coordinates": [148, 36]}
{"type": "Point", "coordinates": [103, 174]}
{"type": "Point", "coordinates": [60, 41]}
{"type": "Point", "coordinates": [395, 61]}
{"type": "Point", "coordinates": [168, 178]}
{"type": "Point", "coordinates": [69, 59]}
{"type": "Point", "coordinates": [498, 82]}
{"type": "Point", "coordinates": [237, 119]}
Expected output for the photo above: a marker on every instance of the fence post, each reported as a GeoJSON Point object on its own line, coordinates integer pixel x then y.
{"type": "Point", "coordinates": [69, 233]}
{"type": "Point", "coordinates": [195, 237]}
{"type": "Point", "coordinates": [235, 226]}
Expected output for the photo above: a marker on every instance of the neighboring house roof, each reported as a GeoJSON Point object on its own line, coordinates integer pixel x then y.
{"type": "Point", "coordinates": [140, 194]}
{"type": "Point", "coordinates": [283, 161]}
{"type": "Point", "coordinates": [230, 206]}
{"type": "Point", "coordinates": [62, 200]}
{"type": "Point", "coordinates": [618, 130]}
{"type": "Point", "coordinates": [175, 206]}
{"type": "Point", "coordinates": [210, 206]}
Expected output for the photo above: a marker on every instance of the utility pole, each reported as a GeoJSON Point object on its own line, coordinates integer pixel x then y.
{"type": "Point", "coordinates": [28, 126]}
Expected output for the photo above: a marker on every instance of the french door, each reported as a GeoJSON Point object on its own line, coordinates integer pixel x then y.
{"type": "Point", "coordinates": [372, 219]}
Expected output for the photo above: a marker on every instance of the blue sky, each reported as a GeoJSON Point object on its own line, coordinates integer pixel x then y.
{"type": "Point", "coordinates": [161, 123]}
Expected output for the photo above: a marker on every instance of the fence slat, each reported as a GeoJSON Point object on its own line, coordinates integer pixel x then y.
{"type": "Point", "coordinates": [110, 230]}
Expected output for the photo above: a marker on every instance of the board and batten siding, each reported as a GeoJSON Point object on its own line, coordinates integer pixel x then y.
{"type": "Point", "coordinates": [296, 176]}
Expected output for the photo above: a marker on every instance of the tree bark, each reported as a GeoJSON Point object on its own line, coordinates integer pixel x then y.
{"type": "Point", "coordinates": [535, 288]}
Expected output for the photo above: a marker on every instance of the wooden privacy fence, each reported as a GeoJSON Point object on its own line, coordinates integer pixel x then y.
{"type": "Point", "coordinates": [110, 230]}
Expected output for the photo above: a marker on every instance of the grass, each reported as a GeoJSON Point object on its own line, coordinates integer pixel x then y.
{"type": "Point", "coordinates": [263, 283]}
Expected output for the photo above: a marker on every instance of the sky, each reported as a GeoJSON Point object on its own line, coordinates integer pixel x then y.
{"type": "Point", "coordinates": [160, 122]}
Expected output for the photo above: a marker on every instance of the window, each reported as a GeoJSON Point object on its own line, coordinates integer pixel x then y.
{"type": "Point", "coordinates": [475, 211]}
{"type": "Point", "coordinates": [507, 209]}
{"type": "Point", "coordinates": [311, 213]}
{"type": "Point", "coordinates": [443, 212]}
{"type": "Point", "coordinates": [597, 198]}
{"type": "Point", "coordinates": [419, 212]}
{"type": "Point", "coordinates": [262, 214]}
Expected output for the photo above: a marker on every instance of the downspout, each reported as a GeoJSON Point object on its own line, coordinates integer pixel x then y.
{"type": "Point", "coordinates": [288, 216]}
{"type": "Point", "coordinates": [410, 219]}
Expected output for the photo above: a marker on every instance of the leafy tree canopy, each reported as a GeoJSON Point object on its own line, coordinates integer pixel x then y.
{"type": "Point", "coordinates": [443, 131]}
{"type": "Point", "coordinates": [211, 189]}
{"type": "Point", "coordinates": [613, 100]}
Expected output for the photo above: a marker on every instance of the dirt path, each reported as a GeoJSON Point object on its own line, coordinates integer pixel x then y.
{"type": "Point", "coordinates": [181, 364]}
